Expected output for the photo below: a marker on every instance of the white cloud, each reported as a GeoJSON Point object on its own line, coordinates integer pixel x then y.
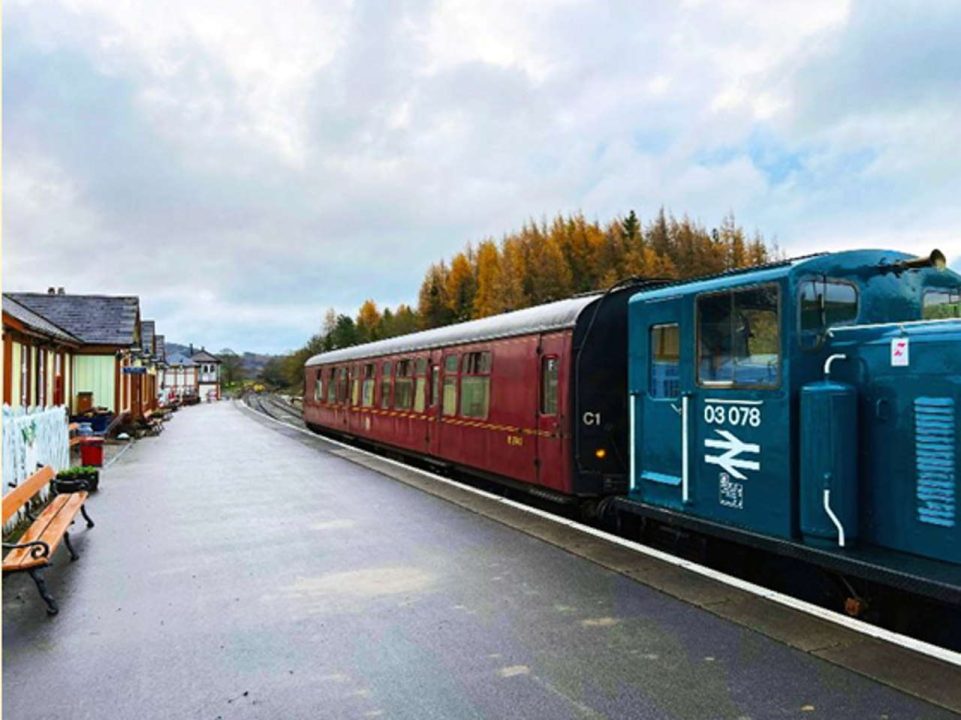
{"type": "Point", "coordinates": [320, 153]}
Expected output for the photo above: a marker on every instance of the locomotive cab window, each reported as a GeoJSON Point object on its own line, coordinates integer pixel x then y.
{"type": "Point", "coordinates": [449, 399]}
{"type": "Point", "coordinates": [823, 304]}
{"type": "Point", "coordinates": [665, 361]}
{"type": "Point", "coordinates": [475, 385]}
{"type": "Point", "coordinates": [738, 338]}
{"type": "Point", "coordinates": [941, 304]}
{"type": "Point", "coordinates": [550, 371]}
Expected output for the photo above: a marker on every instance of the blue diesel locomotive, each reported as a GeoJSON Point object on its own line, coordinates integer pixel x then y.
{"type": "Point", "coordinates": [811, 408]}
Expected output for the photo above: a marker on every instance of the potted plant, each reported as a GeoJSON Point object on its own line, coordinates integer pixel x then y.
{"type": "Point", "coordinates": [82, 477]}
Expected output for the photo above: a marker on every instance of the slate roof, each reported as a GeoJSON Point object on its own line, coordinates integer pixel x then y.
{"type": "Point", "coordinates": [180, 359]}
{"type": "Point", "coordinates": [148, 328]}
{"type": "Point", "coordinates": [94, 319]}
{"type": "Point", "coordinates": [204, 356]}
{"type": "Point", "coordinates": [36, 322]}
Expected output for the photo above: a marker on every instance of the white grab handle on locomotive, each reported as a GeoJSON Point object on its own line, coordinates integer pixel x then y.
{"type": "Point", "coordinates": [834, 518]}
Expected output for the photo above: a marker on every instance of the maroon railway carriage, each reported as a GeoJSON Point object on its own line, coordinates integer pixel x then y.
{"type": "Point", "coordinates": [536, 396]}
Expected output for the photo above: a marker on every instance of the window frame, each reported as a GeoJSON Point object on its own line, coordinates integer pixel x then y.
{"type": "Point", "coordinates": [950, 292]}
{"type": "Point", "coordinates": [368, 384]}
{"type": "Point", "coordinates": [541, 407]}
{"type": "Point", "coordinates": [386, 380]}
{"type": "Point", "coordinates": [733, 384]}
{"type": "Point", "coordinates": [468, 373]}
{"type": "Point", "coordinates": [420, 384]}
{"type": "Point", "coordinates": [801, 332]}
{"type": "Point", "coordinates": [454, 377]}
{"type": "Point", "coordinates": [650, 359]}
{"type": "Point", "coordinates": [407, 378]}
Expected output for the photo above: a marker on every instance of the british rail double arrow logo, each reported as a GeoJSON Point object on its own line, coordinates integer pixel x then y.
{"type": "Point", "coordinates": [730, 460]}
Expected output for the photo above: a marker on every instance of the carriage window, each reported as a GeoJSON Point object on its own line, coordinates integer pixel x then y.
{"type": "Point", "coordinates": [331, 385]}
{"type": "Point", "coordinates": [404, 386]}
{"type": "Point", "coordinates": [367, 393]}
{"type": "Point", "coordinates": [319, 386]}
{"type": "Point", "coordinates": [475, 385]}
{"type": "Point", "coordinates": [665, 361]}
{"type": "Point", "coordinates": [420, 384]}
{"type": "Point", "coordinates": [434, 385]}
{"type": "Point", "coordinates": [738, 338]}
{"type": "Point", "coordinates": [549, 376]}
{"type": "Point", "coordinates": [940, 304]}
{"type": "Point", "coordinates": [342, 386]}
{"type": "Point", "coordinates": [449, 401]}
{"type": "Point", "coordinates": [824, 303]}
{"type": "Point", "coordinates": [355, 385]}
{"type": "Point", "coordinates": [385, 383]}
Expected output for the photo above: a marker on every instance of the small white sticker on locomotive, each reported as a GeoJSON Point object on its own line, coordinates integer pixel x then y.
{"type": "Point", "coordinates": [900, 352]}
{"type": "Point", "coordinates": [730, 494]}
{"type": "Point", "coordinates": [731, 460]}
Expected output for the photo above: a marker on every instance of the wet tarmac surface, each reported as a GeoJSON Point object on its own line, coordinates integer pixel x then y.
{"type": "Point", "coordinates": [237, 573]}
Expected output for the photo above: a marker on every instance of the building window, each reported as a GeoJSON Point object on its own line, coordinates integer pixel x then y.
{"type": "Point", "coordinates": [940, 304]}
{"type": "Point", "coordinates": [475, 385]}
{"type": "Point", "coordinates": [665, 361]}
{"type": "Point", "coordinates": [550, 367]}
{"type": "Point", "coordinates": [41, 377]}
{"type": "Point", "coordinates": [420, 384]}
{"type": "Point", "coordinates": [449, 402]}
{"type": "Point", "coordinates": [24, 375]}
{"type": "Point", "coordinates": [367, 399]}
{"type": "Point", "coordinates": [739, 337]}
{"type": "Point", "coordinates": [385, 384]}
{"type": "Point", "coordinates": [404, 386]}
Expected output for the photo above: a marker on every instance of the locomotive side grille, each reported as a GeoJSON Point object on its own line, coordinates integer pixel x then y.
{"type": "Point", "coordinates": [935, 435]}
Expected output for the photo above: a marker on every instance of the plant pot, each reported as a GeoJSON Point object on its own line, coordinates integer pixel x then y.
{"type": "Point", "coordinates": [75, 482]}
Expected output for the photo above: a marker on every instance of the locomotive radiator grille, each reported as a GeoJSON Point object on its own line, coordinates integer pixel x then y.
{"type": "Point", "coordinates": [935, 437]}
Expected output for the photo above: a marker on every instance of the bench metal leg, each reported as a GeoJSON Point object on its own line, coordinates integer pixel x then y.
{"type": "Point", "coordinates": [52, 608]}
{"type": "Point", "coordinates": [66, 541]}
{"type": "Point", "coordinates": [83, 511]}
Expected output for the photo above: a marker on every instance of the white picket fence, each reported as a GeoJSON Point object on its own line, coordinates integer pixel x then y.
{"type": "Point", "coordinates": [32, 437]}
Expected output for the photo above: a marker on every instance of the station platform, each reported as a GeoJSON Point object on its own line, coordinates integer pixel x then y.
{"type": "Point", "coordinates": [239, 569]}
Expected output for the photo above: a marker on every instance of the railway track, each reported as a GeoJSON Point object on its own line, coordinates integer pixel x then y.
{"type": "Point", "coordinates": [890, 614]}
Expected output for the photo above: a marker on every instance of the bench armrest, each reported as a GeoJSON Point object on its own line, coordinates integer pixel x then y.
{"type": "Point", "coordinates": [39, 549]}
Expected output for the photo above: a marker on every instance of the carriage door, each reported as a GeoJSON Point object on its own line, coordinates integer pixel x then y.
{"type": "Point", "coordinates": [661, 403]}
{"type": "Point", "coordinates": [433, 403]}
{"type": "Point", "coordinates": [553, 471]}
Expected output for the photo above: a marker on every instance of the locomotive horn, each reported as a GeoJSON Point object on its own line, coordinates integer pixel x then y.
{"type": "Point", "coordinates": [935, 260]}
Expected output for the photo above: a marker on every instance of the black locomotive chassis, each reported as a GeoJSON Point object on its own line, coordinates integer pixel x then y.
{"type": "Point", "coordinates": [928, 578]}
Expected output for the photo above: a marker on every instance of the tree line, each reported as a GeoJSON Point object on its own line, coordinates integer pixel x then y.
{"type": "Point", "coordinates": [541, 262]}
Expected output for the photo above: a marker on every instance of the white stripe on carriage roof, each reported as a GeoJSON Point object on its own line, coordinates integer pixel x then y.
{"type": "Point", "coordinates": [859, 626]}
{"type": "Point", "coordinates": [557, 315]}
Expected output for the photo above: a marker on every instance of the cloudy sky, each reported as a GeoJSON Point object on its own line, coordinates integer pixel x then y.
{"type": "Point", "coordinates": [244, 165]}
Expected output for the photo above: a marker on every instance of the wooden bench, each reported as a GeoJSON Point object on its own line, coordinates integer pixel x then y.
{"type": "Point", "coordinates": [37, 545]}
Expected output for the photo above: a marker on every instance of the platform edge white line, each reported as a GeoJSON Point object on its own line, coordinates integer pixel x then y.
{"type": "Point", "coordinates": [918, 646]}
